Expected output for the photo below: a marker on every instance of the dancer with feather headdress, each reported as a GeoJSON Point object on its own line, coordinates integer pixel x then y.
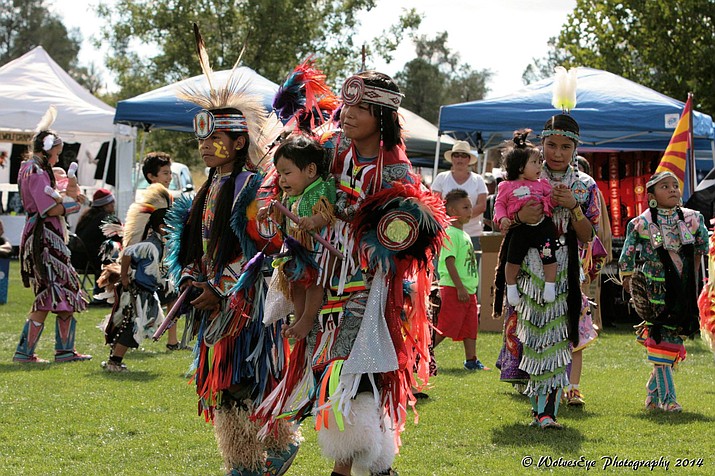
{"type": "Point", "coordinates": [216, 249]}
{"type": "Point", "coordinates": [659, 266]}
{"type": "Point", "coordinates": [541, 337]}
{"type": "Point", "coordinates": [44, 255]}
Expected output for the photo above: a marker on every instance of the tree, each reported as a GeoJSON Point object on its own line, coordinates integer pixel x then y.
{"type": "Point", "coordinates": [436, 77]}
{"type": "Point", "coordinates": [276, 34]}
{"type": "Point", "coordinates": [25, 24]}
{"type": "Point", "coordinates": [662, 44]}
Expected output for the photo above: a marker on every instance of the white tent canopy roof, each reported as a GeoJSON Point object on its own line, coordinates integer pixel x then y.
{"type": "Point", "coordinates": [33, 82]}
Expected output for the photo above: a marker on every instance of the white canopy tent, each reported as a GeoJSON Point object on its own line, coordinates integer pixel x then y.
{"type": "Point", "coordinates": [33, 83]}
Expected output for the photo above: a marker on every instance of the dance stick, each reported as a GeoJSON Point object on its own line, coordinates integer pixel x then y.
{"type": "Point", "coordinates": [333, 250]}
{"type": "Point", "coordinates": [173, 315]}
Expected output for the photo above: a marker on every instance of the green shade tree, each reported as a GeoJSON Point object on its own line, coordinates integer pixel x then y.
{"type": "Point", "coordinates": [436, 77]}
{"type": "Point", "coordinates": [665, 45]}
{"type": "Point", "coordinates": [151, 43]}
{"type": "Point", "coordinates": [26, 24]}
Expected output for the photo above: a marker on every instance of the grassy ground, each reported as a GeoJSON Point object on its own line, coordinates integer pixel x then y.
{"type": "Point", "coordinates": [76, 419]}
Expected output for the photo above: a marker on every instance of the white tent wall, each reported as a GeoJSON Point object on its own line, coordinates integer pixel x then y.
{"type": "Point", "coordinates": [30, 85]}
{"type": "Point", "coordinates": [126, 151]}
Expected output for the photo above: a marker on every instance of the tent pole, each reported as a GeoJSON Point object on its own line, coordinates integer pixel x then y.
{"type": "Point", "coordinates": [436, 157]}
{"type": "Point", "coordinates": [107, 162]}
{"type": "Point", "coordinates": [135, 171]}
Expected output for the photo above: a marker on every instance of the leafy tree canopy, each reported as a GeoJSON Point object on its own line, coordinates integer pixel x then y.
{"type": "Point", "coordinates": [436, 77]}
{"type": "Point", "coordinates": [661, 44]}
{"type": "Point", "coordinates": [26, 24]}
{"type": "Point", "coordinates": [277, 35]}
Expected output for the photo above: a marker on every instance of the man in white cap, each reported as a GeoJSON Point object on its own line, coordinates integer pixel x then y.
{"type": "Point", "coordinates": [460, 176]}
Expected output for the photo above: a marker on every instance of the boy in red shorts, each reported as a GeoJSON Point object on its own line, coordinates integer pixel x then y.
{"type": "Point", "coordinates": [458, 279]}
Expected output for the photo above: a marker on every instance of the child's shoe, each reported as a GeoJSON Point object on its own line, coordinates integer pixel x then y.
{"type": "Point", "coordinates": [512, 294]}
{"type": "Point", "coordinates": [651, 404]}
{"type": "Point", "coordinates": [474, 365]}
{"type": "Point", "coordinates": [671, 407]}
{"type": "Point", "coordinates": [548, 423]}
{"type": "Point", "coordinates": [574, 398]}
{"type": "Point", "coordinates": [114, 367]}
{"type": "Point", "coordinates": [549, 292]}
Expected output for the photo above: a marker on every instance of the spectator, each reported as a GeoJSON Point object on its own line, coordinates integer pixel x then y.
{"type": "Point", "coordinates": [460, 176]}
{"type": "Point", "coordinates": [89, 230]}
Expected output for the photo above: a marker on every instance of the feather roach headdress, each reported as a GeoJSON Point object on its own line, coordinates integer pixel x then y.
{"type": "Point", "coordinates": [305, 97]}
{"type": "Point", "coordinates": [229, 106]}
{"type": "Point", "coordinates": [156, 198]}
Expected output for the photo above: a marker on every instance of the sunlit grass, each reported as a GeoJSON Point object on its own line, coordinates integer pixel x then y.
{"type": "Point", "coordinates": [75, 419]}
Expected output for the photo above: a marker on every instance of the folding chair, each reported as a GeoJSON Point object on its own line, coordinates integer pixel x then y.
{"type": "Point", "coordinates": [82, 263]}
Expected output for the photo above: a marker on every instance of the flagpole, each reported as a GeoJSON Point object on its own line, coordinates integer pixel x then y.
{"type": "Point", "coordinates": [693, 172]}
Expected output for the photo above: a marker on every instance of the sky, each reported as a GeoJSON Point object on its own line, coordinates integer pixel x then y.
{"type": "Point", "coordinates": [500, 35]}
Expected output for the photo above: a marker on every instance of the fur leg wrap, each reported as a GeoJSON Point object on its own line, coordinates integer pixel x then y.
{"type": "Point", "coordinates": [365, 442]}
{"type": "Point", "coordinates": [237, 438]}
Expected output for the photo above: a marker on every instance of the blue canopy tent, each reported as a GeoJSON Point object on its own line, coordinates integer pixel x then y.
{"type": "Point", "coordinates": [614, 114]}
{"type": "Point", "coordinates": [161, 109]}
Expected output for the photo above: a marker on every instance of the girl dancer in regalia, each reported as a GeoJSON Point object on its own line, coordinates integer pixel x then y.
{"type": "Point", "coordinates": [659, 267]}
{"type": "Point", "coordinates": [237, 359]}
{"type": "Point", "coordinates": [361, 353]}
{"type": "Point", "coordinates": [44, 255]}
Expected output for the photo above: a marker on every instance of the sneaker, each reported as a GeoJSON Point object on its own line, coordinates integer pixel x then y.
{"type": "Point", "coordinates": [32, 359]}
{"type": "Point", "coordinates": [474, 365]}
{"type": "Point", "coordinates": [548, 423]}
{"type": "Point", "coordinates": [111, 366]}
{"type": "Point", "coordinates": [672, 407]}
{"type": "Point", "coordinates": [72, 356]}
{"type": "Point", "coordinates": [574, 398]}
{"type": "Point", "coordinates": [651, 404]}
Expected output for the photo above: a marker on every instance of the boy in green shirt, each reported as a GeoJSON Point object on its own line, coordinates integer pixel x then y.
{"type": "Point", "coordinates": [459, 314]}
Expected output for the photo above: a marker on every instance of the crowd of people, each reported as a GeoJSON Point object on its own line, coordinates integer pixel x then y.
{"type": "Point", "coordinates": [352, 241]}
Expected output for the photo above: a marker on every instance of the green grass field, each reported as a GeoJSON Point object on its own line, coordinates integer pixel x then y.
{"type": "Point", "coordinates": [75, 419]}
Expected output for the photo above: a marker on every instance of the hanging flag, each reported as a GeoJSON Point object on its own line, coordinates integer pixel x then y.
{"type": "Point", "coordinates": [674, 159]}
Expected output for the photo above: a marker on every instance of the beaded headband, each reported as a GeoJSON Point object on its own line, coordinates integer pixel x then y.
{"type": "Point", "coordinates": [659, 177]}
{"type": "Point", "coordinates": [206, 122]}
{"type": "Point", "coordinates": [356, 91]}
{"type": "Point", "coordinates": [559, 132]}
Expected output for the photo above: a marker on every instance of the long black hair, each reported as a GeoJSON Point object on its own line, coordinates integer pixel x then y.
{"type": "Point", "coordinates": [37, 148]}
{"type": "Point", "coordinates": [221, 249]}
{"type": "Point", "coordinates": [517, 153]}
{"type": "Point", "coordinates": [681, 307]}
{"type": "Point", "coordinates": [388, 124]}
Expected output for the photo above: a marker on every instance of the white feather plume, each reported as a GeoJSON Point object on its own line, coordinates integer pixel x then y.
{"type": "Point", "coordinates": [564, 97]}
{"type": "Point", "coordinates": [47, 120]}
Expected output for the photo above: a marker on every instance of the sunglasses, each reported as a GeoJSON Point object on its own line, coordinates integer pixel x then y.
{"type": "Point", "coordinates": [461, 154]}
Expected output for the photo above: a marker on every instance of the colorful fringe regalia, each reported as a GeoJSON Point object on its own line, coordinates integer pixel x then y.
{"type": "Point", "coordinates": [706, 301]}
{"type": "Point", "coordinates": [44, 254]}
{"type": "Point", "coordinates": [237, 360]}
{"type": "Point", "coordinates": [297, 263]}
{"type": "Point", "coordinates": [139, 306]}
{"type": "Point", "coordinates": [362, 351]}
{"type": "Point", "coordinates": [665, 289]}
{"type": "Point", "coordinates": [549, 330]}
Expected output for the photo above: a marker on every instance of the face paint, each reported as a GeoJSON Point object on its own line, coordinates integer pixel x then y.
{"type": "Point", "coordinates": [221, 151]}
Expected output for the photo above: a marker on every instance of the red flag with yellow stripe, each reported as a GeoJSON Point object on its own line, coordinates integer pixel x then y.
{"type": "Point", "coordinates": [674, 159]}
